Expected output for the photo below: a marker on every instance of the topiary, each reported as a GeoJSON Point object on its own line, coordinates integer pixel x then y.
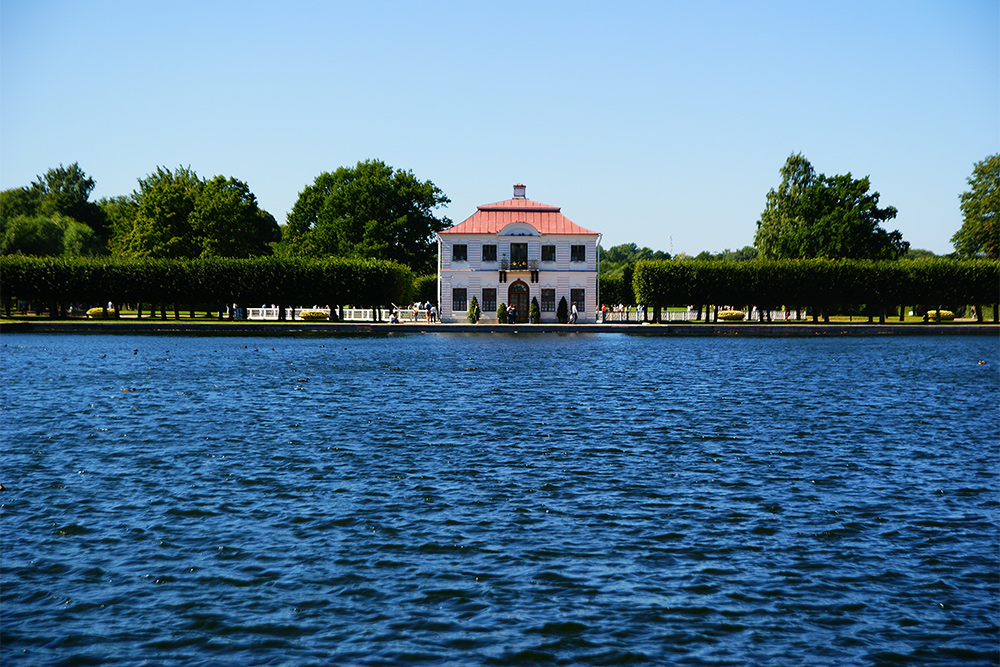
{"type": "Point", "coordinates": [732, 315]}
{"type": "Point", "coordinates": [312, 315]}
{"type": "Point", "coordinates": [534, 312]}
{"type": "Point", "coordinates": [562, 311]}
{"type": "Point", "coordinates": [473, 311]}
{"type": "Point", "coordinates": [98, 313]}
{"type": "Point", "coordinates": [933, 315]}
{"type": "Point", "coordinates": [502, 313]}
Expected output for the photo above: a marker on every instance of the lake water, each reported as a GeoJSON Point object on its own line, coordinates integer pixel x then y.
{"type": "Point", "coordinates": [499, 500]}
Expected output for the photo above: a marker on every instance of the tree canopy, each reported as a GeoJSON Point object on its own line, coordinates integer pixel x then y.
{"type": "Point", "coordinates": [53, 216]}
{"type": "Point", "coordinates": [177, 215]}
{"type": "Point", "coordinates": [980, 232]}
{"type": "Point", "coordinates": [814, 215]}
{"type": "Point", "coordinates": [370, 210]}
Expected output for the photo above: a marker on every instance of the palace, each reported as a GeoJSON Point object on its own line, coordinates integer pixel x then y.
{"type": "Point", "coordinates": [513, 252]}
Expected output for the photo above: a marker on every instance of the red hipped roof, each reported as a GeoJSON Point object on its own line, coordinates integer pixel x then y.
{"type": "Point", "coordinates": [491, 218]}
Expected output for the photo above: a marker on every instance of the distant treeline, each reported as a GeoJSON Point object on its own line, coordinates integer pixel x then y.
{"type": "Point", "coordinates": [208, 283]}
{"type": "Point", "coordinates": [821, 285]}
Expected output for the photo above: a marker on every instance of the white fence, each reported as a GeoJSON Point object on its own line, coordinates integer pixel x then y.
{"type": "Point", "coordinates": [350, 314]}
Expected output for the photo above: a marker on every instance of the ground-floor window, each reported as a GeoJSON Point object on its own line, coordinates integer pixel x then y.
{"type": "Point", "coordinates": [489, 299]}
{"type": "Point", "coordinates": [459, 299]}
{"type": "Point", "coordinates": [548, 304]}
{"type": "Point", "coordinates": [576, 296]}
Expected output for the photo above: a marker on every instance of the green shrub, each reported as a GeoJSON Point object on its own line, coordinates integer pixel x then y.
{"type": "Point", "coordinates": [534, 312]}
{"type": "Point", "coordinates": [562, 311]}
{"type": "Point", "coordinates": [502, 313]}
{"type": "Point", "coordinates": [473, 311]}
{"type": "Point", "coordinates": [312, 315]}
{"type": "Point", "coordinates": [98, 313]}
{"type": "Point", "coordinates": [732, 315]}
{"type": "Point", "coordinates": [945, 315]}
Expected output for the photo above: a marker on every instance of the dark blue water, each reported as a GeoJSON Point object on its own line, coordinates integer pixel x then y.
{"type": "Point", "coordinates": [449, 499]}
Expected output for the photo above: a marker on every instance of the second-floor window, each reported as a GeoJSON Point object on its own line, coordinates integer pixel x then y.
{"type": "Point", "coordinates": [518, 255]}
{"type": "Point", "coordinates": [489, 252]}
{"type": "Point", "coordinates": [460, 253]}
{"type": "Point", "coordinates": [578, 253]}
{"type": "Point", "coordinates": [548, 253]}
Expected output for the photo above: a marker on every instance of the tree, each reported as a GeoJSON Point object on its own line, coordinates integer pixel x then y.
{"type": "Point", "coordinates": [61, 194]}
{"type": "Point", "coordinates": [980, 232]}
{"type": "Point", "coordinates": [814, 215]}
{"type": "Point", "coordinates": [228, 222]}
{"type": "Point", "coordinates": [48, 235]}
{"type": "Point", "coordinates": [370, 210]}
{"type": "Point", "coordinates": [177, 215]}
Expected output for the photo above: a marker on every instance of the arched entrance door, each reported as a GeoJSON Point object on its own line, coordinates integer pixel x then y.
{"type": "Point", "coordinates": [517, 296]}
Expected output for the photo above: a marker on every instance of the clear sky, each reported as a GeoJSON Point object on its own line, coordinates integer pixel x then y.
{"type": "Point", "coordinates": [661, 123]}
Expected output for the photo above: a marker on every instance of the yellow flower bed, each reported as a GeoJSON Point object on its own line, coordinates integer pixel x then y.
{"type": "Point", "coordinates": [312, 315]}
{"type": "Point", "coordinates": [945, 315]}
{"type": "Point", "coordinates": [732, 315]}
{"type": "Point", "coordinates": [98, 314]}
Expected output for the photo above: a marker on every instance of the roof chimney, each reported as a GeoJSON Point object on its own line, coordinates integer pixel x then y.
{"type": "Point", "coordinates": [519, 191]}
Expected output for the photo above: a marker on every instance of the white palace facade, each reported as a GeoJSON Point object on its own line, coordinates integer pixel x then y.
{"type": "Point", "coordinates": [514, 251]}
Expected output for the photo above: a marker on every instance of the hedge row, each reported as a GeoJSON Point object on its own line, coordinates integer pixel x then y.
{"type": "Point", "coordinates": [817, 283]}
{"type": "Point", "coordinates": [204, 281]}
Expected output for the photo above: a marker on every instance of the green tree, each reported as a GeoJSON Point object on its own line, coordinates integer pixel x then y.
{"type": "Point", "coordinates": [177, 215]}
{"type": "Point", "coordinates": [62, 194]}
{"type": "Point", "coordinates": [980, 232]}
{"type": "Point", "coordinates": [370, 210]}
{"type": "Point", "coordinates": [812, 215]}
{"type": "Point", "coordinates": [227, 222]}
{"type": "Point", "coordinates": [48, 235]}
{"type": "Point", "coordinates": [473, 315]}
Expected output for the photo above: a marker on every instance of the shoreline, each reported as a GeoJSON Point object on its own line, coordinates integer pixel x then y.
{"type": "Point", "coordinates": [251, 328]}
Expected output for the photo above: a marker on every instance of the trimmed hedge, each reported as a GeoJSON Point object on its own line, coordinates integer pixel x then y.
{"type": "Point", "coordinates": [816, 283]}
{"type": "Point", "coordinates": [210, 281]}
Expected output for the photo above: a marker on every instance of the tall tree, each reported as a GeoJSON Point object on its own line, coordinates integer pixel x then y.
{"type": "Point", "coordinates": [175, 214]}
{"type": "Point", "coordinates": [980, 232]}
{"type": "Point", "coordinates": [370, 210]}
{"type": "Point", "coordinates": [62, 193]}
{"type": "Point", "coordinates": [812, 215]}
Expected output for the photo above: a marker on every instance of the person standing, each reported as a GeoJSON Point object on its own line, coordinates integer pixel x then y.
{"type": "Point", "coordinates": [576, 313]}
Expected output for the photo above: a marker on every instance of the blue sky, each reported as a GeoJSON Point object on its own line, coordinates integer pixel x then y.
{"type": "Point", "coordinates": [660, 123]}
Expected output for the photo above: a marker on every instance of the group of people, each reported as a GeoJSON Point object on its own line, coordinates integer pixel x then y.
{"type": "Point", "coordinates": [430, 312]}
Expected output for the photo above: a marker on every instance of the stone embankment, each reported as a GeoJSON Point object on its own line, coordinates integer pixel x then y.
{"type": "Point", "coordinates": [240, 328]}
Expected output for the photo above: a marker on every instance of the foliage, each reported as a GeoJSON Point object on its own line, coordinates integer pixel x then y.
{"type": "Point", "coordinates": [53, 216]}
{"type": "Point", "coordinates": [177, 215]}
{"type": "Point", "coordinates": [425, 288]}
{"type": "Point", "coordinates": [562, 311]}
{"type": "Point", "coordinates": [616, 257]}
{"type": "Point", "coordinates": [473, 311]}
{"type": "Point", "coordinates": [47, 235]}
{"type": "Point", "coordinates": [502, 313]}
{"type": "Point", "coordinates": [370, 210]}
{"type": "Point", "coordinates": [100, 313]}
{"type": "Point", "coordinates": [814, 215]}
{"type": "Point", "coordinates": [213, 280]}
{"type": "Point", "coordinates": [310, 315]}
{"type": "Point", "coordinates": [732, 315]}
{"type": "Point", "coordinates": [534, 311]}
{"type": "Point", "coordinates": [744, 254]}
{"type": "Point", "coordinates": [816, 282]}
{"type": "Point", "coordinates": [980, 232]}
{"type": "Point", "coordinates": [944, 315]}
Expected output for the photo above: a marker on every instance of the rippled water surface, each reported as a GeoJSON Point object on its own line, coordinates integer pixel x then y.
{"type": "Point", "coordinates": [450, 499]}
